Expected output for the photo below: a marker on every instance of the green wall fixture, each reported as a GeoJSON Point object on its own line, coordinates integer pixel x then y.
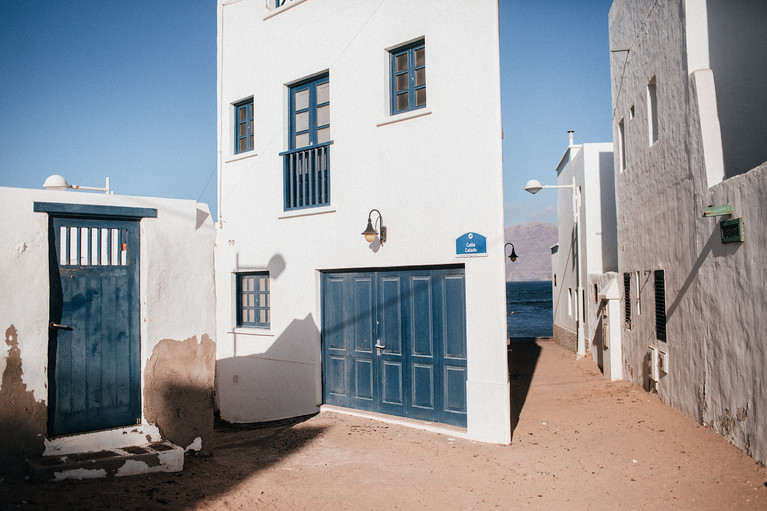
{"type": "Point", "coordinates": [732, 230]}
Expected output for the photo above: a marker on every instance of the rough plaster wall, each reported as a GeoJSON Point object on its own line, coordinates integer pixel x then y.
{"type": "Point", "coordinates": [22, 419]}
{"type": "Point", "coordinates": [733, 284]}
{"type": "Point", "coordinates": [654, 194]}
{"type": "Point", "coordinates": [178, 390]}
{"type": "Point", "coordinates": [715, 307]}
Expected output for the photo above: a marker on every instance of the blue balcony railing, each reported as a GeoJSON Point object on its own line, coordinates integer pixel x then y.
{"type": "Point", "coordinates": [307, 177]}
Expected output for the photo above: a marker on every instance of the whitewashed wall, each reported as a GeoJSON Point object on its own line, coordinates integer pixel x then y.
{"type": "Point", "coordinates": [592, 166]}
{"type": "Point", "coordinates": [176, 298]}
{"type": "Point", "coordinates": [434, 176]}
{"type": "Point", "coordinates": [715, 305]}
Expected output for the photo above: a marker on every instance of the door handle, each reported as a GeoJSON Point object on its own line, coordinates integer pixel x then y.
{"type": "Point", "coordinates": [61, 327]}
{"type": "Point", "coordinates": [379, 346]}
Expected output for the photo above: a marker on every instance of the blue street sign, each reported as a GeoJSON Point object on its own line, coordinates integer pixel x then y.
{"type": "Point", "coordinates": [471, 244]}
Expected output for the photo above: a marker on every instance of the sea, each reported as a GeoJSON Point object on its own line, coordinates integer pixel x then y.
{"type": "Point", "coordinates": [529, 309]}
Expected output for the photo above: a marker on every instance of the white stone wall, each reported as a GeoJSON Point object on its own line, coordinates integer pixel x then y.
{"type": "Point", "coordinates": [434, 176]}
{"type": "Point", "coordinates": [714, 294]}
{"type": "Point", "coordinates": [176, 294]}
{"type": "Point", "coordinates": [592, 166]}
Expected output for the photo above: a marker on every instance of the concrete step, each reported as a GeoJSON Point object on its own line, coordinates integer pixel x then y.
{"type": "Point", "coordinates": [125, 461]}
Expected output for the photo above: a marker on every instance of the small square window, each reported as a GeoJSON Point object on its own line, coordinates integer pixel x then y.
{"type": "Point", "coordinates": [253, 300]}
{"type": "Point", "coordinates": [408, 77]}
{"type": "Point", "coordinates": [243, 126]}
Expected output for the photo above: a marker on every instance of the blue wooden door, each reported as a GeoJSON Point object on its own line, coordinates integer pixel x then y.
{"type": "Point", "coordinates": [395, 342]}
{"type": "Point", "coordinates": [94, 371]}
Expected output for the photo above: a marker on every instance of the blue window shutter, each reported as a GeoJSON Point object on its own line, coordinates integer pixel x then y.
{"type": "Point", "coordinates": [243, 126]}
{"type": "Point", "coordinates": [253, 300]}
{"type": "Point", "coordinates": [408, 77]}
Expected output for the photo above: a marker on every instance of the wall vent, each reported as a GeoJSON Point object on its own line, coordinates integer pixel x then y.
{"type": "Point", "coordinates": [627, 299]}
{"type": "Point", "coordinates": [660, 305]}
{"type": "Point", "coordinates": [732, 230]}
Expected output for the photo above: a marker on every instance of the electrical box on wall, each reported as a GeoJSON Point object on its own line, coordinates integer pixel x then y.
{"type": "Point", "coordinates": [662, 363]}
{"type": "Point", "coordinates": [653, 363]}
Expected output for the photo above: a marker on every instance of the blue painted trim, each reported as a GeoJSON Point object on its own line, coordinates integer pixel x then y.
{"type": "Point", "coordinates": [291, 151]}
{"type": "Point", "coordinates": [408, 50]}
{"type": "Point", "coordinates": [90, 210]}
{"type": "Point", "coordinates": [311, 86]}
{"type": "Point", "coordinates": [247, 105]}
{"type": "Point", "coordinates": [256, 292]}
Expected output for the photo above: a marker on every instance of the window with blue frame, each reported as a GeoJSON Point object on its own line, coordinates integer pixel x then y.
{"type": "Point", "coordinates": [307, 163]}
{"type": "Point", "coordinates": [408, 77]}
{"type": "Point", "coordinates": [253, 300]}
{"type": "Point", "coordinates": [243, 126]}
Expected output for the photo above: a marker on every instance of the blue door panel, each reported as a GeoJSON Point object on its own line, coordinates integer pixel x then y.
{"type": "Point", "coordinates": [423, 386]}
{"type": "Point", "coordinates": [94, 366]}
{"type": "Point", "coordinates": [392, 383]}
{"type": "Point", "coordinates": [455, 321]}
{"type": "Point", "coordinates": [422, 321]}
{"type": "Point", "coordinates": [363, 369]}
{"type": "Point", "coordinates": [417, 318]}
{"type": "Point", "coordinates": [335, 376]}
{"type": "Point", "coordinates": [455, 388]}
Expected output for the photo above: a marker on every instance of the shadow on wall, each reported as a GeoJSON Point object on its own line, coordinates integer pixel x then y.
{"type": "Point", "coordinates": [523, 357]}
{"type": "Point", "coordinates": [22, 419]}
{"type": "Point", "coordinates": [241, 380]}
{"type": "Point", "coordinates": [178, 391]}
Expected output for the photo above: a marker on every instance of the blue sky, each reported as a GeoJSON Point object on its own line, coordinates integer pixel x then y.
{"type": "Point", "coordinates": [90, 89]}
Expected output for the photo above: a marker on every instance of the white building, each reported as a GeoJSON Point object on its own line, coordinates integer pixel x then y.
{"type": "Point", "coordinates": [586, 260]}
{"type": "Point", "coordinates": [329, 111]}
{"type": "Point", "coordinates": [689, 88]}
{"type": "Point", "coordinates": [108, 312]}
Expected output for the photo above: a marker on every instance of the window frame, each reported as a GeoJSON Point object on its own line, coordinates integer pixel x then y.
{"type": "Point", "coordinates": [256, 292]}
{"type": "Point", "coordinates": [652, 110]}
{"type": "Point", "coordinates": [409, 49]}
{"type": "Point", "coordinates": [622, 145]}
{"type": "Point", "coordinates": [312, 127]}
{"type": "Point", "coordinates": [249, 137]}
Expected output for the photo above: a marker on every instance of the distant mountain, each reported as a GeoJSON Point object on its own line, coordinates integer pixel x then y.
{"type": "Point", "coordinates": [532, 242]}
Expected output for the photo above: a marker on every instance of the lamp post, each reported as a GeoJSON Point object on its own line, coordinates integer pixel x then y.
{"type": "Point", "coordinates": [534, 186]}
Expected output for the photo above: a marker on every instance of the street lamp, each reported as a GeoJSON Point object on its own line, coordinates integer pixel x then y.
{"type": "Point", "coordinates": [57, 182]}
{"type": "Point", "coordinates": [513, 256]}
{"type": "Point", "coordinates": [535, 186]}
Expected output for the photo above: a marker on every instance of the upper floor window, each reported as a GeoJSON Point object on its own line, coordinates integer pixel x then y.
{"type": "Point", "coordinates": [253, 300]}
{"type": "Point", "coordinates": [621, 146]}
{"type": "Point", "coordinates": [307, 161]}
{"type": "Point", "coordinates": [243, 126]}
{"type": "Point", "coordinates": [652, 110]}
{"type": "Point", "coordinates": [408, 77]}
{"type": "Point", "coordinates": [310, 113]}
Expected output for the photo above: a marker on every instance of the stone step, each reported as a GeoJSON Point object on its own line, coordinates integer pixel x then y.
{"type": "Point", "coordinates": [125, 461]}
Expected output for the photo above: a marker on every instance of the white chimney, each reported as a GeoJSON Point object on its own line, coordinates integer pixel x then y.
{"type": "Point", "coordinates": [570, 132]}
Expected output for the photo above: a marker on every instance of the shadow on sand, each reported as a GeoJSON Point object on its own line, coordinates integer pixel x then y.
{"type": "Point", "coordinates": [523, 357]}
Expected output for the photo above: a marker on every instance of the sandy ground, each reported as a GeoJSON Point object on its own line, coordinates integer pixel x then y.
{"type": "Point", "coordinates": [579, 442]}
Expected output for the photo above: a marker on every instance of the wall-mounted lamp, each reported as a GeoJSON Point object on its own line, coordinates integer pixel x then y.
{"type": "Point", "coordinates": [57, 182]}
{"type": "Point", "coordinates": [513, 255]}
{"type": "Point", "coordinates": [370, 233]}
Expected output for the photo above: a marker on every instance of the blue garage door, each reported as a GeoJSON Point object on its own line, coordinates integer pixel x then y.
{"type": "Point", "coordinates": [394, 342]}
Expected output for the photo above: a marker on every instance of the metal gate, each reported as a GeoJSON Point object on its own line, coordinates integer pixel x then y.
{"type": "Point", "coordinates": [394, 342]}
